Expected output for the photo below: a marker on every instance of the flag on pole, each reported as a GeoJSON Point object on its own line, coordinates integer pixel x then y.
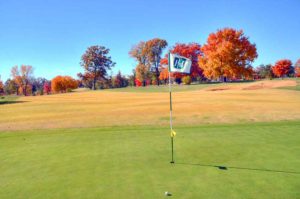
{"type": "Point", "coordinates": [173, 133]}
{"type": "Point", "coordinates": [179, 64]}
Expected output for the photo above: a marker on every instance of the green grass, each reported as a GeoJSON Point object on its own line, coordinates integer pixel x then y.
{"type": "Point", "coordinates": [262, 161]}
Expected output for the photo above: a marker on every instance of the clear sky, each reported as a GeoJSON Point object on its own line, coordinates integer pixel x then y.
{"type": "Point", "coordinates": [51, 35]}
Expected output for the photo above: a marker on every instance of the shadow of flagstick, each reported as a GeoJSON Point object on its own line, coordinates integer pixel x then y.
{"type": "Point", "coordinates": [241, 168]}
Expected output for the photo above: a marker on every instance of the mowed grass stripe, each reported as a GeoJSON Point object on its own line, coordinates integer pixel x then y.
{"type": "Point", "coordinates": [262, 161]}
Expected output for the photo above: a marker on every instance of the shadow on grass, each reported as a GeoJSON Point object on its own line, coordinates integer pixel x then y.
{"type": "Point", "coordinates": [11, 102]}
{"type": "Point", "coordinates": [240, 168]}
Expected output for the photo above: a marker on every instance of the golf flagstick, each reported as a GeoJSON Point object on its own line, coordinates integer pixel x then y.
{"type": "Point", "coordinates": [171, 123]}
{"type": "Point", "coordinates": [178, 64]}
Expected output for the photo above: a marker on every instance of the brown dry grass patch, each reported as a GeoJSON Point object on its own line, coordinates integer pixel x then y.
{"type": "Point", "coordinates": [265, 84]}
{"type": "Point", "coordinates": [270, 84]}
{"type": "Point", "coordinates": [105, 108]}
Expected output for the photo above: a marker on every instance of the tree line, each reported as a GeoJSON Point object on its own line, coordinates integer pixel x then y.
{"type": "Point", "coordinates": [227, 55]}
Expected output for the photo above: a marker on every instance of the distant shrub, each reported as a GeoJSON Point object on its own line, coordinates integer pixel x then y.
{"type": "Point", "coordinates": [47, 88]}
{"type": "Point", "coordinates": [63, 84]}
{"type": "Point", "coordinates": [186, 80]}
{"type": "Point", "coordinates": [153, 80]}
{"type": "Point", "coordinates": [138, 83]}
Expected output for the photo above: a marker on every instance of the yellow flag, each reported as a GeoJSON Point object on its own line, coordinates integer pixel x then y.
{"type": "Point", "coordinates": [173, 133]}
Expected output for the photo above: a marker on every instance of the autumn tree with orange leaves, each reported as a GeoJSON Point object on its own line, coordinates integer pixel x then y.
{"type": "Point", "coordinates": [282, 67]}
{"type": "Point", "coordinates": [228, 53]}
{"type": "Point", "coordinates": [191, 51]}
{"type": "Point", "coordinates": [63, 84]}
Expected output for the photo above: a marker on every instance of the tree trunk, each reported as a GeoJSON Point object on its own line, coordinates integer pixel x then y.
{"type": "Point", "coordinates": [94, 83]}
{"type": "Point", "coordinates": [25, 90]}
{"type": "Point", "coordinates": [157, 76]}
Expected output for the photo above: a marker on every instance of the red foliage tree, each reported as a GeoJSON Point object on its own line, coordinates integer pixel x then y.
{"type": "Point", "coordinates": [191, 51]}
{"type": "Point", "coordinates": [138, 83]}
{"type": "Point", "coordinates": [47, 88]}
{"type": "Point", "coordinates": [282, 67]}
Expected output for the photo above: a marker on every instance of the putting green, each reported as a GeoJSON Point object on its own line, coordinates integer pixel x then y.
{"type": "Point", "coordinates": [257, 160]}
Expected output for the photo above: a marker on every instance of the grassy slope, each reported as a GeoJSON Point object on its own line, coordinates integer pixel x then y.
{"type": "Point", "coordinates": [195, 87]}
{"type": "Point", "coordinates": [262, 161]}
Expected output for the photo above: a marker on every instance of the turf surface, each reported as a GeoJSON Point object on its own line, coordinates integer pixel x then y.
{"type": "Point", "coordinates": [257, 160]}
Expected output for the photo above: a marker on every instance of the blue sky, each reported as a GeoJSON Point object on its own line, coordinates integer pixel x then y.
{"type": "Point", "coordinates": [51, 35]}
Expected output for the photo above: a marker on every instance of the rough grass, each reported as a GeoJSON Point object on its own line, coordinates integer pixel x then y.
{"type": "Point", "coordinates": [257, 160]}
{"type": "Point", "coordinates": [213, 86]}
{"type": "Point", "coordinates": [108, 108]}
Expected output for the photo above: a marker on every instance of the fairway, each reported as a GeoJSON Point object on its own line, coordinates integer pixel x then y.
{"type": "Point", "coordinates": [222, 103]}
{"type": "Point", "coordinates": [236, 140]}
{"type": "Point", "coordinates": [262, 161]}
